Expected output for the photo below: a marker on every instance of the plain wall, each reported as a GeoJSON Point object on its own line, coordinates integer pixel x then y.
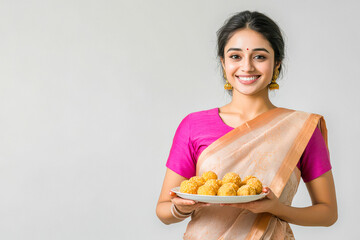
{"type": "Point", "coordinates": [91, 93]}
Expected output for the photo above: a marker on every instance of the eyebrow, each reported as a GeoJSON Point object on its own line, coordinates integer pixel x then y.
{"type": "Point", "coordinates": [254, 49]}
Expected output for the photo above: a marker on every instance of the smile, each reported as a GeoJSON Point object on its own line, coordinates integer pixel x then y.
{"type": "Point", "coordinates": [248, 79]}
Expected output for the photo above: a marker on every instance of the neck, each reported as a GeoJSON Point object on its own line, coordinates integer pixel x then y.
{"type": "Point", "coordinates": [250, 106]}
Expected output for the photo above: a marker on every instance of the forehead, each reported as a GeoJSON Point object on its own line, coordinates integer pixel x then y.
{"type": "Point", "coordinates": [248, 38]}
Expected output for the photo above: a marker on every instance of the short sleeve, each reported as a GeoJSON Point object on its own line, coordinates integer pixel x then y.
{"type": "Point", "coordinates": [315, 160]}
{"type": "Point", "coordinates": [181, 154]}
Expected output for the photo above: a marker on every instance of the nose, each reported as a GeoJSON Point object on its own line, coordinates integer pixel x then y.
{"type": "Point", "coordinates": [247, 65]}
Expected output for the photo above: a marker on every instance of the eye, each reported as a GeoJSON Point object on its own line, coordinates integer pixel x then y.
{"type": "Point", "coordinates": [234, 56]}
{"type": "Point", "coordinates": [260, 57]}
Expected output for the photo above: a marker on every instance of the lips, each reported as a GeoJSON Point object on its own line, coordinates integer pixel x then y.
{"type": "Point", "coordinates": [247, 79]}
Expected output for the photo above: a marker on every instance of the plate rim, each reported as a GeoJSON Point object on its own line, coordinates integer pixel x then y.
{"type": "Point", "coordinates": [218, 199]}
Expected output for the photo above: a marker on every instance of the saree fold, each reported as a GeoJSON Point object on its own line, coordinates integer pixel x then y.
{"type": "Point", "coordinates": [268, 147]}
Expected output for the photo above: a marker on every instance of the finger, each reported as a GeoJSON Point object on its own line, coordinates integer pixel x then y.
{"type": "Point", "coordinates": [181, 201]}
{"type": "Point", "coordinates": [225, 204]}
{"type": "Point", "coordinates": [237, 205]}
{"type": "Point", "coordinates": [269, 194]}
{"type": "Point", "coordinates": [202, 204]}
{"type": "Point", "coordinates": [172, 194]}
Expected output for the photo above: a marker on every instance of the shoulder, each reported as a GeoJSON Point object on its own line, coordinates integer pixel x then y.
{"type": "Point", "coordinates": [315, 122]}
{"type": "Point", "coordinates": [202, 115]}
{"type": "Point", "coordinates": [305, 112]}
{"type": "Point", "coordinates": [198, 119]}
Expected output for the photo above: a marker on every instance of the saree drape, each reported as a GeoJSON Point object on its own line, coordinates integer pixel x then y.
{"type": "Point", "coordinates": [268, 147]}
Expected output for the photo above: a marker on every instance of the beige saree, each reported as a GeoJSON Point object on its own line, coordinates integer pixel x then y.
{"type": "Point", "coordinates": [268, 147]}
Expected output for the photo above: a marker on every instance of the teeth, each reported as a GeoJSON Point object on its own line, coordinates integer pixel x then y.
{"type": "Point", "coordinates": [248, 78]}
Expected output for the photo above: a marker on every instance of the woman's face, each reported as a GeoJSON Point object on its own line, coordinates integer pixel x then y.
{"type": "Point", "coordinates": [248, 62]}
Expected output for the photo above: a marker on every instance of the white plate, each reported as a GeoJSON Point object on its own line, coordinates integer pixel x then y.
{"type": "Point", "coordinates": [218, 199]}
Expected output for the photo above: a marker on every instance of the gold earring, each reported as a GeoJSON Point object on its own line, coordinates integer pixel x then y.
{"type": "Point", "coordinates": [227, 85]}
{"type": "Point", "coordinates": [273, 85]}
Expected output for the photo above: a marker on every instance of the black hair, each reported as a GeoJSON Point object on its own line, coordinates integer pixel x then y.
{"type": "Point", "coordinates": [258, 22]}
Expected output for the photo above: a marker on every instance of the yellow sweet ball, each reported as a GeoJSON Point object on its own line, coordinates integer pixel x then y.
{"type": "Point", "coordinates": [206, 190]}
{"type": "Point", "coordinates": [209, 175]}
{"type": "Point", "coordinates": [245, 180]}
{"type": "Point", "coordinates": [227, 189]}
{"type": "Point", "coordinates": [255, 183]}
{"type": "Point", "coordinates": [232, 177]}
{"type": "Point", "coordinates": [246, 190]}
{"type": "Point", "coordinates": [198, 180]}
{"type": "Point", "coordinates": [188, 187]}
{"type": "Point", "coordinates": [213, 183]}
{"type": "Point", "coordinates": [219, 182]}
{"type": "Point", "coordinates": [235, 186]}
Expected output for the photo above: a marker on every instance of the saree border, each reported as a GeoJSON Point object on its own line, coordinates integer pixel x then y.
{"type": "Point", "coordinates": [282, 176]}
{"type": "Point", "coordinates": [241, 130]}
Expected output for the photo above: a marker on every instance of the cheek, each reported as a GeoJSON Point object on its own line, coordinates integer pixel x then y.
{"type": "Point", "coordinates": [231, 68]}
{"type": "Point", "coordinates": [266, 68]}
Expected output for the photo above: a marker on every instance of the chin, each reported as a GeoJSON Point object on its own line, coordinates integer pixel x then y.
{"type": "Point", "coordinates": [250, 92]}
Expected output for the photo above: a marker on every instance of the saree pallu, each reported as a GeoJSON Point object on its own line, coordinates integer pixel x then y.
{"type": "Point", "coordinates": [268, 147]}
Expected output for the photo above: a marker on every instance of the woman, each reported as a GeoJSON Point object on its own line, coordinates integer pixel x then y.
{"type": "Point", "coordinates": [251, 136]}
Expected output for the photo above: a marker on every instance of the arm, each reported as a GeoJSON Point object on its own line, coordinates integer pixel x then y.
{"type": "Point", "coordinates": [323, 211]}
{"type": "Point", "coordinates": [163, 208]}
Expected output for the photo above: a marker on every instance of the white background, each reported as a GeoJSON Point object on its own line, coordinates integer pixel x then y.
{"type": "Point", "coordinates": [91, 93]}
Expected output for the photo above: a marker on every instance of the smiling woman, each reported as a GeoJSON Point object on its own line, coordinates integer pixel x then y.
{"type": "Point", "coordinates": [268, 46]}
{"type": "Point", "coordinates": [249, 62]}
{"type": "Point", "coordinates": [251, 137]}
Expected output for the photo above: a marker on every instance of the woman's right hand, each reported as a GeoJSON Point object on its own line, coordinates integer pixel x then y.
{"type": "Point", "coordinates": [164, 208]}
{"type": "Point", "coordinates": [186, 206]}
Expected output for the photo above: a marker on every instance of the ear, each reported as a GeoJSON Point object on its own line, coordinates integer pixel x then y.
{"type": "Point", "coordinates": [222, 62]}
{"type": "Point", "coordinates": [277, 65]}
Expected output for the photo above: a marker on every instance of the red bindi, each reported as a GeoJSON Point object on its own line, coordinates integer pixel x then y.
{"type": "Point", "coordinates": [247, 49]}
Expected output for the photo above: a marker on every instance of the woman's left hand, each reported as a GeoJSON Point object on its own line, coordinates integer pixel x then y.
{"type": "Point", "coordinates": [268, 204]}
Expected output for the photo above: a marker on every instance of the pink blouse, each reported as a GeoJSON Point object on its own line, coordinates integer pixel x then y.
{"type": "Point", "coordinates": [199, 129]}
